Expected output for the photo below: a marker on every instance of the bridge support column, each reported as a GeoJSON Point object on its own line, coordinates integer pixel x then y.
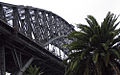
{"type": "Point", "coordinates": [2, 58]}
{"type": "Point", "coordinates": [23, 69]}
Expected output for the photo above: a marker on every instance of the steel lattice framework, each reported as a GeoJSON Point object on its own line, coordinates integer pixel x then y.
{"type": "Point", "coordinates": [41, 27]}
{"type": "Point", "coordinates": [37, 24]}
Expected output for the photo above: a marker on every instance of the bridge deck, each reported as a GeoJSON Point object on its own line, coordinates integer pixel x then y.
{"type": "Point", "coordinates": [13, 40]}
{"type": "Point", "coordinates": [28, 33]}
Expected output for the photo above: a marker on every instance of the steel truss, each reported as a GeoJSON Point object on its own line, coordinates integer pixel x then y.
{"type": "Point", "coordinates": [26, 34]}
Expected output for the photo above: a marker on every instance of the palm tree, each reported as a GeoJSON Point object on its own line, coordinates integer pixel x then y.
{"type": "Point", "coordinates": [33, 70]}
{"type": "Point", "coordinates": [95, 49]}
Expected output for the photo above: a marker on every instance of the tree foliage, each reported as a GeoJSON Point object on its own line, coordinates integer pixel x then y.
{"type": "Point", "coordinates": [96, 48]}
{"type": "Point", "coordinates": [33, 70]}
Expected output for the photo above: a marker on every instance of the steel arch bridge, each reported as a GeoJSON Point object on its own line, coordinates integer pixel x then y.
{"type": "Point", "coordinates": [31, 35]}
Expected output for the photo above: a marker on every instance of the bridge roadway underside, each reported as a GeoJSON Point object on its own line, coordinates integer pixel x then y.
{"type": "Point", "coordinates": [16, 50]}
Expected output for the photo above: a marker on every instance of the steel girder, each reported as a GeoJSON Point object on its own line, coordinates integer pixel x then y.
{"type": "Point", "coordinates": [39, 25]}
{"type": "Point", "coordinates": [42, 27]}
{"type": "Point", "coordinates": [17, 53]}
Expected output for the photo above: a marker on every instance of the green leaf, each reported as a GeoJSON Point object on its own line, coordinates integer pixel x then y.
{"type": "Point", "coordinates": [107, 56]}
{"type": "Point", "coordinates": [105, 46]}
{"type": "Point", "coordinates": [94, 42]}
{"type": "Point", "coordinates": [75, 64]}
{"type": "Point", "coordinates": [95, 57]}
{"type": "Point", "coordinates": [102, 54]}
{"type": "Point", "coordinates": [82, 54]}
{"type": "Point", "coordinates": [116, 40]}
{"type": "Point", "coordinates": [33, 70]}
{"type": "Point", "coordinates": [93, 20]}
{"type": "Point", "coordinates": [116, 53]}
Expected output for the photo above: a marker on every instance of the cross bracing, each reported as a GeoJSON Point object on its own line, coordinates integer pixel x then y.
{"type": "Point", "coordinates": [37, 24]}
{"type": "Point", "coordinates": [43, 28]}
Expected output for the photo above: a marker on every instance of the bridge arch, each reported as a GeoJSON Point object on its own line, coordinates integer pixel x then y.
{"type": "Point", "coordinates": [34, 34]}
{"type": "Point", "coordinates": [39, 25]}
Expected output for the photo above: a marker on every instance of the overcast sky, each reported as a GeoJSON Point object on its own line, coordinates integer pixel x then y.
{"type": "Point", "coordinates": [74, 11]}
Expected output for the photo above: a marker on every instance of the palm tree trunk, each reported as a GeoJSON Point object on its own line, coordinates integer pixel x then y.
{"type": "Point", "coordinates": [115, 68]}
{"type": "Point", "coordinates": [98, 69]}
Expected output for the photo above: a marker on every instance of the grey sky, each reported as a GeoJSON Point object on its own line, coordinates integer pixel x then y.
{"type": "Point", "coordinates": [74, 11]}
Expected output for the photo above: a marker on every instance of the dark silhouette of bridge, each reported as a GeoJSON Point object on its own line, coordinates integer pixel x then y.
{"type": "Point", "coordinates": [31, 35]}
